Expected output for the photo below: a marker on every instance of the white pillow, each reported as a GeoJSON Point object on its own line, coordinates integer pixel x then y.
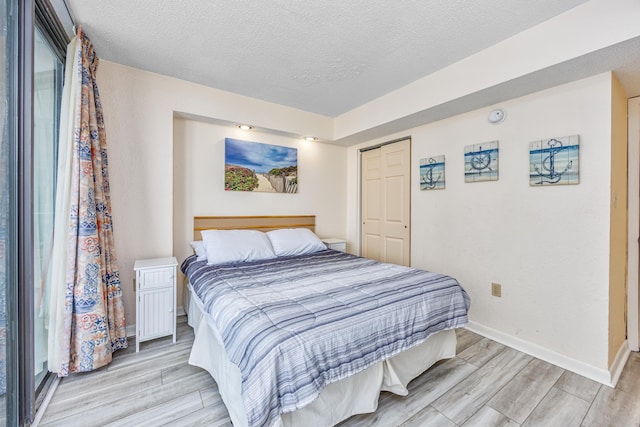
{"type": "Point", "coordinates": [227, 246]}
{"type": "Point", "coordinates": [295, 241]}
{"type": "Point", "coordinates": [198, 248]}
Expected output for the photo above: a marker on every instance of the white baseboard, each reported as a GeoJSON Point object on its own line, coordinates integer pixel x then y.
{"type": "Point", "coordinates": [602, 376]}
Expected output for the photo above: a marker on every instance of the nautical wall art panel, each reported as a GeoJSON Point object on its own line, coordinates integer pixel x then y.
{"type": "Point", "coordinates": [253, 166]}
{"type": "Point", "coordinates": [481, 162]}
{"type": "Point", "coordinates": [554, 161]}
{"type": "Point", "coordinates": [432, 173]}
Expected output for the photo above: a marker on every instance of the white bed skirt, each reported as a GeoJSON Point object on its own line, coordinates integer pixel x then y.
{"type": "Point", "coordinates": [338, 401]}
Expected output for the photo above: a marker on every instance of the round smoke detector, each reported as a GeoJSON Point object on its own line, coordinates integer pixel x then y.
{"type": "Point", "coordinates": [496, 116]}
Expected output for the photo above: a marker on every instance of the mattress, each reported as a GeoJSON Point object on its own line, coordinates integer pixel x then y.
{"type": "Point", "coordinates": [279, 334]}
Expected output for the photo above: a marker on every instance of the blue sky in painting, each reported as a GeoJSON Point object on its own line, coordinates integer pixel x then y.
{"type": "Point", "coordinates": [257, 156]}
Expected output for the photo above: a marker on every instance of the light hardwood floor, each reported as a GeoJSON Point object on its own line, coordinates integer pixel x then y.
{"type": "Point", "coordinates": [486, 384]}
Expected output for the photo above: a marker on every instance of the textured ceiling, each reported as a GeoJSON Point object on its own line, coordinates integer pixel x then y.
{"type": "Point", "coordinates": [326, 57]}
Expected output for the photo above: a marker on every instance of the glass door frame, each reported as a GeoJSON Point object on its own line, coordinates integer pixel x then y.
{"type": "Point", "coordinates": [22, 17]}
{"type": "Point", "coordinates": [17, 25]}
{"type": "Point", "coordinates": [24, 316]}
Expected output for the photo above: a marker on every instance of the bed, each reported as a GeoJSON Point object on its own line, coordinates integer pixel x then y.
{"type": "Point", "coordinates": [312, 338]}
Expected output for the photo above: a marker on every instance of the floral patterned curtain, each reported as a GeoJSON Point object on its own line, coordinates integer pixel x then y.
{"type": "Point", "coordinates": [87, 311]}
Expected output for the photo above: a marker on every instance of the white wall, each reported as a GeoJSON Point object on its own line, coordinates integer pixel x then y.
{"type": "Point", "coordinates": [199, 181]}
{"type": "Point", "coordinates": [548, 247]}
{"type": "Point", "coordinates": [139, 109]}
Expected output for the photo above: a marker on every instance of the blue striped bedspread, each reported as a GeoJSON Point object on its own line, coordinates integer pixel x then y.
{"type": "Point", "coordinates": [295, 324]}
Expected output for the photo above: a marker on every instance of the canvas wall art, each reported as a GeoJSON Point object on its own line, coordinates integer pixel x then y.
{"type": "Point", "coordinates": [254, 166]}
{"type": "Point", "coordinates": [432, 173]}
{"type": "Point", "coordinates": [481, 162]}
{"type": "Point", "coordinates": [554, 161]}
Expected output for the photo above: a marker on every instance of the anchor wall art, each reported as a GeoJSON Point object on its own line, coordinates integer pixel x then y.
{"type": "Point", "coordinates": [432, 173]}
{"type": "Point", "coordinates": [554, 161]}
{"type": "Point", "coordinates": [481, 162]}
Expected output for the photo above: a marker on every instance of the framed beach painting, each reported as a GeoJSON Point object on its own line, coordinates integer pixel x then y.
{"type": "Point", "coordinates": [254, 166]}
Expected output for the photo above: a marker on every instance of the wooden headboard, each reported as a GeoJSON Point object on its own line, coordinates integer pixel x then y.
{"type": "Point", "coordinates": [260, 223]}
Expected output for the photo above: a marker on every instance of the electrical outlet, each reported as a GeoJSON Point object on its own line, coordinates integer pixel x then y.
{"type": "Point", "coordinates": [496, 290]}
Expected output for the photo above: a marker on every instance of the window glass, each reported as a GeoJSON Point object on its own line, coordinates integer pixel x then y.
{"type": "Point", "coordinates": [46, 106]}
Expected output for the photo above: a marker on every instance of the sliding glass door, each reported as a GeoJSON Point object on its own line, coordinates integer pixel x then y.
{"type": "Point", "coordinates": [31, 66]}
{"type": "Point", "coordinates": [46, 111]}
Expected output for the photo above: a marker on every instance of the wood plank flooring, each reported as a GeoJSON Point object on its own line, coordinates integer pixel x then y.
{"type": "Point", "coordinates": [485, 385]}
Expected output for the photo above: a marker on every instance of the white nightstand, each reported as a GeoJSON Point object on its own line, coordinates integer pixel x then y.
{"type": "Point", "coordinates": [335, 244]}
{"type": "Point", "coordinates": [156, 299]}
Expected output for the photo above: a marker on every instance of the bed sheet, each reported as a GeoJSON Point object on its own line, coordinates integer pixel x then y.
{"type": "Point", "coordinates": [293, 325]}
{"type": "Point", "coordinates": [337, 401]}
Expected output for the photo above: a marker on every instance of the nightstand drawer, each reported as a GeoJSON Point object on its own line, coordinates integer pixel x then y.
{"type": "Point", "coordinates": [156, 278]}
